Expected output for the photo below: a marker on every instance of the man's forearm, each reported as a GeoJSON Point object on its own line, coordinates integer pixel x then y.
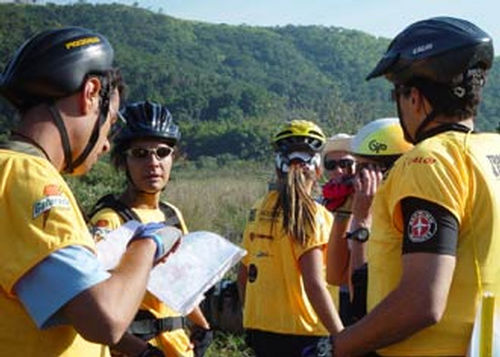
{"type": "Point", "coordinates": [417, 302]}
{"type": "Point", "coordinates": [103, 312]}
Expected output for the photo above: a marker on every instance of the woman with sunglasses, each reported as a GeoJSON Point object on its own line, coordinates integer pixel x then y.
{"type": "Point", "coordinates": [287, 306]}
{"type": "Point", "coordinates": [375, 148]}
{"type": "Point", "coordinates": [339, 166]}
{"type": "Point", "coordinates": [144, 149]}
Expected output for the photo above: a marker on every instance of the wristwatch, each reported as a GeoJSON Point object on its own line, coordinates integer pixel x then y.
{"type": "Point", "coordinates": [361, 235]}
{"type": "Point", "coordinates": [151, 351]}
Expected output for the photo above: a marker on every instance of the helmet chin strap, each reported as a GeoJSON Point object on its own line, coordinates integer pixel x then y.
{"type": "Point", "coordinates": [419, 132]}
{"type": "Point", "coordinates": [406, 133]}
{"type": "Point", "coordinates": [70, 165]}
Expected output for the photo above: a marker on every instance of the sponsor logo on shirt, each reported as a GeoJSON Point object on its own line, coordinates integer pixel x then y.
{"type": "Point", "coordinates": [52, 198]}
{"type": "Point", "coordinates": [252, 273]}
{"type": "Point", "coordinates": [423, 160]}
{"type": "Point", "coordinates": [495, 164]}
{"type": "Point", "coordinates": [422, 226]}
{"type": "Point", "coordinates": [100, 229]}
{"type": "Point", "coordinates": [261, 254]}
{"type": "Point", "coordinates": [260, 236]}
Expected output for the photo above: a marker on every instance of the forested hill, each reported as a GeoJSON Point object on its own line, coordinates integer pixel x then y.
{"type": "Point", "coordinates": [228, 86]}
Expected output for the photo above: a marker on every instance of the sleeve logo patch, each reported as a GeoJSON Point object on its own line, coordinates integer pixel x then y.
{"type": "Point", "coordinates": [53, 198]}
{"type": "Point", "coordinates": [422, 226]}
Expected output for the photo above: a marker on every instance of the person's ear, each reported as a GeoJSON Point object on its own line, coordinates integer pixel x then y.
{"type": "Point", "coordinates": [89, 95]}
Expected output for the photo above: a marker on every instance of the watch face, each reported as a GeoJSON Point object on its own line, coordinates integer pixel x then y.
{"type": "Point", "coordinates": [362, 234]}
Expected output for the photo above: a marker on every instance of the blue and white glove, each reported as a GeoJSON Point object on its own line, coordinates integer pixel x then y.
{"type": "Point", "coordinates": [164, 236]}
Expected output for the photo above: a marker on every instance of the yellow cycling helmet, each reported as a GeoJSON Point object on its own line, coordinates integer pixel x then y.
{"type": "Point", "coordinates": [299, 135]}
{"type": "Point", "coordinates": [381, 137]}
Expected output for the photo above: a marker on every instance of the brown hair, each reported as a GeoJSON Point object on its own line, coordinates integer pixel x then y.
{"type": "Point", "coordinates": [295, 203]}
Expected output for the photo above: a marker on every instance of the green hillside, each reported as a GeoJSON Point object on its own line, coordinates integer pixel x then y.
{"type": "Point", "coordinates": [228, 86]}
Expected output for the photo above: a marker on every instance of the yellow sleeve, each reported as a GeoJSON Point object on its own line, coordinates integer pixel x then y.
{"type": "Point", "coordinates": [433, 173]}
{"type": "Point", "coordinates": [103, 222]}
{"type": "Point", "coordinates": [38, 215]}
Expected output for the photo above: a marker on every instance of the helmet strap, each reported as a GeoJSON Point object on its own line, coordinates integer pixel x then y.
{"type": "Point", "coordinates": [419, 133]}
{"type": "Point", "coordinates": [105, 95]}
{"type": "Point", "coordinates": [406, 133]}
{"type": "Point", "coordinates": [56, 117]}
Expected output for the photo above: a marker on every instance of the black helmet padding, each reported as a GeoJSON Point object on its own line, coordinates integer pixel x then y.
{"type": "Point", "coordinates": [438, 49]}
{"type": "Point", "coordinates": [54, 64]}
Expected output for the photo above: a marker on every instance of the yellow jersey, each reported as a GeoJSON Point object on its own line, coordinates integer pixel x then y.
{"type": "Point", "coordinates": [38, 215]}
{"type": "Point", "coordinates": [172, 343]}
{"type": "Point", "coordinates": [275, 298]}
{"type": "Point", "coordinates": [460, 172]}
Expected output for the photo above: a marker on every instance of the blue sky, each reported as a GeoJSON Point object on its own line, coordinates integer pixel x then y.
{"type": "Point", "coordinates": [377, 17]}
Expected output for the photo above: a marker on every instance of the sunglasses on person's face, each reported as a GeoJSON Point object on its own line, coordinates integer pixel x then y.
{"type": "Point", "coordinates": [160, 153]}
{"type": "Point", "coordinates": [342, 163]}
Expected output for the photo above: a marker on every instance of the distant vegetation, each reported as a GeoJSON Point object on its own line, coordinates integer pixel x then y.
{"type": "Point", "coordinates": [229, 86]}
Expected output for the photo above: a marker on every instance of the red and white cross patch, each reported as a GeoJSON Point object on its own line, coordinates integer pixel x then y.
{"type": "Point", "coordinates": [422, 226]}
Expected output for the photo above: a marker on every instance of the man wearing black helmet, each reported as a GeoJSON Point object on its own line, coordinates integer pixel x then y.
{"type": "Point", "coordinates": [144, 149]}
{"type": "Point", "coordinates": [55, 298]}
{"type": "Point", "coordinates": [434, 242]}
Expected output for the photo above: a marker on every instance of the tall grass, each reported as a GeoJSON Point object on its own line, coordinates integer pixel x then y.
{"type": "Point", "coordinates": [216, 201]}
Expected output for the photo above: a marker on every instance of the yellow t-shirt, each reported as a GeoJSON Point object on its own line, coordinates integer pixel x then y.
{"type": "Point", "coordinates": [38, 215]}
{"type": "Point", "coordinates": [460, 172]}
{"type": "Point", "coordinates": [173, 343]}
{"type": "Point", "coordinates": [275, 298]}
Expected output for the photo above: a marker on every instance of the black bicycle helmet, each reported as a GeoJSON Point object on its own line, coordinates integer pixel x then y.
{"type": "Point", "coordinates": [54, 64]}
{"type": "Point", "coordinates": [438, 49]}
{"type": "Point", "coordinates": [148, 120]}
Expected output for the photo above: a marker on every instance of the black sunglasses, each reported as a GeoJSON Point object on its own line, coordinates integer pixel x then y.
{"type": "Point", "coordinates": [342, 163]}
{"type": "Point", "coordinates": [160, 153]}
{"type": "Point", "coordinates": [398, 90]}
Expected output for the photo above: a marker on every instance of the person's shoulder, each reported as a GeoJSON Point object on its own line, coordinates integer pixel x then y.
{"type": "Point", "coordinates": [28, 162]}
{"type": "Point", "coordinates": [106, 217]}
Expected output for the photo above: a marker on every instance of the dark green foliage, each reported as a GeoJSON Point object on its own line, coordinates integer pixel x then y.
{"type": "Point", "coordinates": [228, 86]}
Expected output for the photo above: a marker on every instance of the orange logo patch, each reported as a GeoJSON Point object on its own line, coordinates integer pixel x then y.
{"type": "Point", "coordinates": [102, 223]}
{"type": "Point", "coordinates": [51, 190]}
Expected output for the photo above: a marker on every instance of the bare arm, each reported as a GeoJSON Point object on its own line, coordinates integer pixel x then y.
{"type": "Point", "coordinates": [311, 267]}
{"type": "Point", "coordinates": [366, 185]}
{"type": "Point", "coordinates": [197, 317]}
{"type": "Point", "coordinates": [337, 266]}
{"type": "Point", "coordinates": [130, 345]}
{"type": "Point", "coordinates": [103, 312]}
{"type": "Point", "coordinates": [418, 302]}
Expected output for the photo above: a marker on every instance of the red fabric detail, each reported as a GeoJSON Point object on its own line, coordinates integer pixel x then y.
{"type": "Point", "coordinates": [335, 194]}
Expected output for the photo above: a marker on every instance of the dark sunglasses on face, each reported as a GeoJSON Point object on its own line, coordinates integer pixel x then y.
{"type": "Point", "coordinates": [342, 163]}
{"type": "Point", "coordinates": [160, 153]}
